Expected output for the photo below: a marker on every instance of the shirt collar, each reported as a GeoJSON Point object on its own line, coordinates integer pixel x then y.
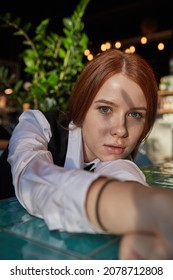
{"type": "Point", "coordinates": [94, 162]}
{"type": "Point", "coordinates": [74, 156]}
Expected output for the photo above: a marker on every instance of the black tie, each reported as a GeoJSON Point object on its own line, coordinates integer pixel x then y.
{"type": "Point", "coordinates": [89, 167]}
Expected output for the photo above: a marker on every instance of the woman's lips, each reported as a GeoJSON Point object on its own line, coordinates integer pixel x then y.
{"type": "Point", "coordinates": [117, 150]}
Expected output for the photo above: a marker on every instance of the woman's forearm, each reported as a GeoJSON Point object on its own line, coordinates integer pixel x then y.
{"type": "Point", "coordinates": [123, 206]}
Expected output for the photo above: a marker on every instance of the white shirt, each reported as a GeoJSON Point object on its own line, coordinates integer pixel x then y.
{"type": "Point", "coordinates": [53, 193]}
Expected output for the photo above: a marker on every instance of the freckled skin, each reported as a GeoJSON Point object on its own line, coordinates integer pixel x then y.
{"type": "Point", "coordinates": [115, 120]}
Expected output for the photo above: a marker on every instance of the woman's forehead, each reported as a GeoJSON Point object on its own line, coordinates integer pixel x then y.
{"type": "Point", "coordinates": [119, 87]}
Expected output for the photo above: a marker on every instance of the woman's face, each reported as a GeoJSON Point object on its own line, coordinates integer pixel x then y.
{"type": "Point", "coordinates": [115, 120]}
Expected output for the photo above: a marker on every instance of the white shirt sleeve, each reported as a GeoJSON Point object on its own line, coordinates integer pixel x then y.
{"type": "Point", "coordinates": [46, 190]}
{"type": "Point", "coordinates": [123, 170]}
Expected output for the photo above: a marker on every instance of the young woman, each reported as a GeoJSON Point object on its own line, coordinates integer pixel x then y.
{"type": "Point", "coordinates": [111, 111]}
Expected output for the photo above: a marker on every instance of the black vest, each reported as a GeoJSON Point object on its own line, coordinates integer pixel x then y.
{"type": "Point", "coordinates": [57, 146]}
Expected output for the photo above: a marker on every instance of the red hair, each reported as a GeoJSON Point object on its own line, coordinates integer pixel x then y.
{"type": "Point", "coordinates": [100, 69]}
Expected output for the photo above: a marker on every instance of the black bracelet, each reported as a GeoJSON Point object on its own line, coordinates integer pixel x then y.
{"type": "Point", "coordinates": [98, 200]}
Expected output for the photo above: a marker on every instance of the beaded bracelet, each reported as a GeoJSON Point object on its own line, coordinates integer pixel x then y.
{"type": "Point", "coordinates": [98, 200]}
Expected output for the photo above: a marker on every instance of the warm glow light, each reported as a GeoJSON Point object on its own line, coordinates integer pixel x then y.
{"type": "Point", "coordinates": [90, 57]}
{"type": "Point", "coordinates": [108, 45]}
{"type": "Point", "coordinates": [117, 45]}
{"type": "Point", "coordinates": [26, 106]}
{"type": "Point", "coordinates": [8, 91]}
{"type": "Point", "coordinates": [160, 46]}
{"type": "Point", "coordinates": [103, 48]}
{"type": "Point", "coordinates": [87, 52]}
{"type": "Point", "coordinates": [137, 40]}
{"type": "Point", "coordinates": [143, 40]}
{"type": "Point", "coordinates": [132, 49]}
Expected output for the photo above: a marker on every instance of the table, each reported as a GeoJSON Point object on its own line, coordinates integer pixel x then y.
{"type": "Point", "coordinates": [24, 237]}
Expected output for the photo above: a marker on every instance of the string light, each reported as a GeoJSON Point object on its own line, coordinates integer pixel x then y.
{"type": "Point", "coordinates": [118, 45]}
{"type": "Point", "coordinates": [86, 52]}
{"type": "Point", "coordinates": [143, 40]}
{"type": "Point", "coordinates": [164, 35]}
{"type": "Point", "coordinates": [161, 46]}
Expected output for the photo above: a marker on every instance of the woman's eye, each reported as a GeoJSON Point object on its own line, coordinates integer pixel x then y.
{"type": "Point", "coordinates": [104, 109]}
{"type": "Point", "coordinates": [136, 115]}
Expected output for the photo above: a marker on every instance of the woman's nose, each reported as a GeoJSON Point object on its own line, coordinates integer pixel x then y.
{"type": "Point", "coordinates": [119, 128]}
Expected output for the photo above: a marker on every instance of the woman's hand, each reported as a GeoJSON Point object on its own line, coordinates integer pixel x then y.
{"type": "Point", "coordinates": [144, 246]}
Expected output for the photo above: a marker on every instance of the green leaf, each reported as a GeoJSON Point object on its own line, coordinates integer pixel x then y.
{"type": "Point", "coordinates": [67, 23]}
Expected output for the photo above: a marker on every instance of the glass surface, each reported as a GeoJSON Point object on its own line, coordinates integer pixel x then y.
{"type": "Point", "coordinates": [23, 236]}
{"type": "Point", "coordinates": [160, 175]}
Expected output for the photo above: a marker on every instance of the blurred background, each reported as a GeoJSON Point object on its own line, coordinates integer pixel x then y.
{"type": "Point", "coordinates": [105, 21]}
{"type": "Point", "coordinates": [143, 26]}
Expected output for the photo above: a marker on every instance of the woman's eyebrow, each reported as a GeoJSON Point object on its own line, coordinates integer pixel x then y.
{"type": "Point", "coordinates": [114, 104]}
{"type": "Point", "coordinates": [106, 102]}
{"type": "Point", "coordinates": [139, 108]}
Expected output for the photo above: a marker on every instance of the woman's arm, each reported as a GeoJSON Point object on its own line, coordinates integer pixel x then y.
{"type": "Point", "coordinates": [46, 190]}
{"type": "Point", "coordinates": [142, 215]}
{"type": "Point", "coordinates": [123, 206]}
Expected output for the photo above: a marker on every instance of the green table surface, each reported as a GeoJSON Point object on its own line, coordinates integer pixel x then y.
{"type": "Point", "coordinates": [24, 237]}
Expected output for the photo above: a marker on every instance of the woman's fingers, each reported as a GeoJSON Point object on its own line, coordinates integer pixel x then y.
{"type": "Point", "coordinates": [142, 246]}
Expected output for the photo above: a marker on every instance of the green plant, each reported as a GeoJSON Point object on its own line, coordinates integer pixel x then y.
{"type": "Point", "coordinates": [52, 62]}
{"type": "Point", "coordinates": [6, 79]}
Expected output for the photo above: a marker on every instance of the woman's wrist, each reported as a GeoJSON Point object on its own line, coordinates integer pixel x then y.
{"type": "Point", "coordinates": [91, 199]}
{"type": "Point", "coordinates": [97, 205]}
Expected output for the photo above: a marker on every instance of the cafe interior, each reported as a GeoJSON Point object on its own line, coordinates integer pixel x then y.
{"type": "Point", "coordinates": [145, 27]}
